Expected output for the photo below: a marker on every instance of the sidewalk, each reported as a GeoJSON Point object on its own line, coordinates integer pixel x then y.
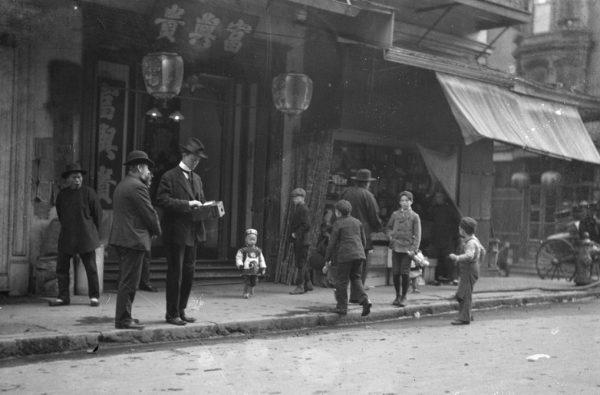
{"type": "Point", "coordinates": [28, 326]}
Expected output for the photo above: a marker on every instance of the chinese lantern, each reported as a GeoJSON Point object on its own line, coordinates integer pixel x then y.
{"type": "Point", "coordinates": [551, 179]}
{"type": "Point", "coordinates": [292, 92]}
{"type": "Point", "coordinates": [163, 74]}
{"type": "Point", "coordinates": [520, 180]}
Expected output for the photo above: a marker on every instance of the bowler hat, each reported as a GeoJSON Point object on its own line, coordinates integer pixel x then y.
{"type": "Point", "coordinates": [73, 168]}
{"type": "Point", "coordinates": [138, 157]}
{"type": "Point", "coordinates": [363, 175]}
{"type": "Point", "coordinates": [194, 147]}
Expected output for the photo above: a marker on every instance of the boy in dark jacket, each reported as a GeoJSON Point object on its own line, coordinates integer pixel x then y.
{"type": "Point", "coordinates": [348, 242]}
{"type": "Point", "coordinates": [300, 237]}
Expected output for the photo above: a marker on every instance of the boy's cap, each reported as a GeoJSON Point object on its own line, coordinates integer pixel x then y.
{"type": "Point", "coordinates": [251, 232]}
{"type": "Point", "coordinates": [298, 192]}
{"type": "Point", "coordinates": [468, 224]}
{"type": "Point", "coordinates": [344, 207]}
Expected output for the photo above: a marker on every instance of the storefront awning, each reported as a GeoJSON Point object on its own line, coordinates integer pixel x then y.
{"type": "Point", "coordinates": [488, 111]}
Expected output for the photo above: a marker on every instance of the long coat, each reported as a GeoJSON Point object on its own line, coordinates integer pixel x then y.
{"type": "Point", "coordinates": [80, 214]}
{"type": "Point", "coordinates": [300, 226]}
{"type": "Point", "coordinates": [134, 218]}
{"type": "Point", "coordinates": [173, 196]}
{"type": "Point", "coordinates": [364, 209]}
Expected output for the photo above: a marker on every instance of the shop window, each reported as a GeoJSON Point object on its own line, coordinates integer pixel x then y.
{"type": "Point", "coordinates": [542, 16]}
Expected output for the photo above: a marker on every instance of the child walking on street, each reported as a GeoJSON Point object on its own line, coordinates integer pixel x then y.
{"type": "Point", "coordinates": [347, 242]}
{"type": "Point", "coordinates": [250, 261]}
{"type": "Point", "coordinates": [469, 262]}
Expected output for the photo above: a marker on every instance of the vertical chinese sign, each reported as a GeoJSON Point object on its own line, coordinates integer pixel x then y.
{"type": "Point", "coordinates": [111, 133]}
{"type": "Point", "coordinates": [198, 31]}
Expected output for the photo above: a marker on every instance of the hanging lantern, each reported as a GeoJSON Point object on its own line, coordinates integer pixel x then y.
{"type": "Point", "coordinates": [551, 179]}
{"type": "Point", "coordinates": [292, 92]}
{"type": "Point", "coordinates": [163, 74]}
{"type": "Point", "coordinates": [520, 180]}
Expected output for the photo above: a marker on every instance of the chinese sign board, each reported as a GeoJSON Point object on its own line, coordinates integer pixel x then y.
{"type": "Point", "coordinates": [111, 131]}
{"type": "Point", "coordinates": [199, 31]}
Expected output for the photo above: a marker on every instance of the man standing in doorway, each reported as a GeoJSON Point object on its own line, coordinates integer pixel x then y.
{"type": "Point", "coordinates": [366, 210]}
{"type": "Point", "coordinates": [300, 237]}
{"type": "Point", "coordinates": [179, 192]}
{"type": "Point", "coordinates": [79, 213]}
{"type": "Point", "coordinates": [444, 238]}
{"type": "Point", "coordinates": [134, 222]}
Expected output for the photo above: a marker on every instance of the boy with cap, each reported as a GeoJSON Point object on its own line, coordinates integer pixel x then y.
{"type": "Point", "coordinates": [249, 259]}
{"type": "Point", "coordinates": [468, 262]}
{"type": "Point", "coordinates": [348, 242]}
{"type": "Point", "coordinates": [300, 237]}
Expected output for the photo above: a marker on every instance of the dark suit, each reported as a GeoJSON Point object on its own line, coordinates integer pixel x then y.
{"type": "Point", "coordinates": [300, 237]}
{"type": "Point", "coordinates": [80, 214]}
{"type": "Point", "coordinates": [134, 222]}
{"type": "Point", "coordinates": [180, 235]}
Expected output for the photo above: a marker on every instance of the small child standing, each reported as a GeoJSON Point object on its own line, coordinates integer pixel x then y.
{"type": "Point", "coordinates": [418, 261]}
{"type": "Point", "coordinates": [249, 259]}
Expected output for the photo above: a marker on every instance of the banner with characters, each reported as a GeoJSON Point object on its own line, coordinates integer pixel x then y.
{"type": "Point", "coordinates": [198, 31]}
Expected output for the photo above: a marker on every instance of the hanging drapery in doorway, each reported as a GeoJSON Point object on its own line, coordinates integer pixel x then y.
{"type": "Point", "coordinates": [312, 159]}
{"type": "Point", "coordinates": [443, 166]}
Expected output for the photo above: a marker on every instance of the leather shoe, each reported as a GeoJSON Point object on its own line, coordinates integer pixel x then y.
{"type": "Point", "coordinates": [339, 311]}
{"type": "Point", "coordinates": [130, 325]}
{"type": "Point", "coordinates": [187, 319]}
{"type": "Point", "coordinates": [396, 301]}
{"type": "Point", "coordinates": [366, 304]}
{"type": "Point", "coordinates": [459, 322]}
{"type": "Point", "coordinates": [175, 321]}
{"type": "Point", "coordinates": [148, 288]}
{"type": "Point", "coordinates": [308, 287]}
{"type": "Point", "coordinates": [58, 302]}
{"type": "Point", "coordinates": [297, 291]}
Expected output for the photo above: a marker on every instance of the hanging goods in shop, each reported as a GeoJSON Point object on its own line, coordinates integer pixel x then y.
{"type": "Point", "coordinates": [551, 179]}
{"type": "Point", "coordinates": [163, 74]}
{"type": "Point", "coordinates": [292, 92]}
{"type": "Point", "coordinates": [520, 180]}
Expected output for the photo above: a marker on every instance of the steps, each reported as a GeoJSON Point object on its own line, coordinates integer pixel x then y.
{"type": "Point", "coordinates": [208, 272]}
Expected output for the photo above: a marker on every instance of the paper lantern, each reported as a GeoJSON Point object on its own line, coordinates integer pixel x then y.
{"type": "Point", "coordinates": [292, 92]}
{"type": "Point", "coordinates": [163, 74]}
{"type": "Point", "coordinates": [520, 180]}
{"type": "Point", "coordinates": [551, 179]}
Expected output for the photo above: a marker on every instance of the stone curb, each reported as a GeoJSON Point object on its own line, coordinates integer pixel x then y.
{"type": "Point", "coordinates": [51, 344]}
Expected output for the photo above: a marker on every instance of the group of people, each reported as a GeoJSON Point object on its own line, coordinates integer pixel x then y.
{"type": "Point", "coordinates": [135, 224]}
{"type": "Point", "coordinates": [350, 240]}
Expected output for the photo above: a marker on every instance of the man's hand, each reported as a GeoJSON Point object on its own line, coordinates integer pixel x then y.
{"type": "Point", "coordinates": [195, 203]}
{"type": "Point", "coordinates": [454, 257]}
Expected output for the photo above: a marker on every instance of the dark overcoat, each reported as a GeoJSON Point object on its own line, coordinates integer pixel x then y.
{"type": "Point", "coordinates": [134, 218]}
{"type": "Point", "coordinates": [365, 209]}
{"type": "Point", "coordinates": [173, 196]}
{"type": "Point", "coordinates": [300, 226]}
{"type": "Point", "coordinates": [80, 215]}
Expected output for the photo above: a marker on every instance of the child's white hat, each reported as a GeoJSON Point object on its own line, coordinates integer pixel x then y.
{"type": "Point", "coordinates": [251, 232]}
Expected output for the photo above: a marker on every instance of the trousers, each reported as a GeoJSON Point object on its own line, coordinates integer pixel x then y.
{"type": "Point", "coordinates": [130, 270]}
{"type": "Point", "coordinates": [181, 261]}
{"type": "Point", "coordinates": [349, 272]}
{"type": "Point", "coordinates": [63, 267]}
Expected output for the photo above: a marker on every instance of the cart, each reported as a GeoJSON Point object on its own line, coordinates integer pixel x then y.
{"type": "Point", "coordinates": [557, 256]}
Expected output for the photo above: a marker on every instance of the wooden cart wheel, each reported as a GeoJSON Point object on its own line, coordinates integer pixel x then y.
{"type": "Point", "coordinates": [556, 258]}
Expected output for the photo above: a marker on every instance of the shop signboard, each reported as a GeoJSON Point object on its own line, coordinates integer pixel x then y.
{"type": "Point", "coordinates": [111, 138]}
{"type": "Point", "coordinates": [199, 31]}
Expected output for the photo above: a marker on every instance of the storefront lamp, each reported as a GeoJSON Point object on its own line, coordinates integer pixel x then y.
{"type": "Point", "coordinates": [520, 180]}
{"type": "Point", "coordinates": [177, 116]}
{"type": "Point", "coordinates": [292, 93]}
{"type": "Point", "coordinates": [154, 112]}
{"type": "Point", "coordinates": [163, 74]}
{"type": "Point", "coordinates": [551, 179]}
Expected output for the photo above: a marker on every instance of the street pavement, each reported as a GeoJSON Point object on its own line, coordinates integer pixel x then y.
{"type": "Point", "coordinates": [28, 326]}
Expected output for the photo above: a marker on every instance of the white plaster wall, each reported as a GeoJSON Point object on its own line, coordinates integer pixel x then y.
{"type": "Point", "coordinates": [502, 58]}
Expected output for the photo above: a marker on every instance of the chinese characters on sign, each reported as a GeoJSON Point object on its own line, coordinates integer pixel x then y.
{"type": "Point", "coordinates": [111, 128]}
{"type": "Point", "coordinates": [195, 30]}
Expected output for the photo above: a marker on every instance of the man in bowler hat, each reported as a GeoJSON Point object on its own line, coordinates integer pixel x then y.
{"type": "Point", "coordinates": [366, 210]}
{"type": "Point", "coordinates": [80, 214]}
{"type": "Point", "coordinates": [134, 223]}
{"type": "Point", "coordinates": [179, 192]}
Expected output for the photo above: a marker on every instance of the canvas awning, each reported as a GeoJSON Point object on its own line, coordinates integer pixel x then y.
{"type": "Point", "coordinates": [488, 111]}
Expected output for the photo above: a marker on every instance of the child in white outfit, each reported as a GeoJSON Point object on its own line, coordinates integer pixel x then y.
{"type": "Point", "coordinates": [250, 261]}
{"type": "Point", "coordinates": [418, 261]}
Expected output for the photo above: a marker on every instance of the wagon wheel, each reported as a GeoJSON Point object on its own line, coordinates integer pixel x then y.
{"type": "Point", "coordinates": [556, 258]}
